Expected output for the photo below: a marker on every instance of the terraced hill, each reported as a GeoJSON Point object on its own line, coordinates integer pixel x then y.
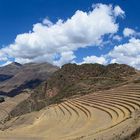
{"type": "Point", "coordinates": [75, 80]}
{"type": "Point", "coordinates": [109, 114]}
{"type": "Point", "coordinates": [87, 102]}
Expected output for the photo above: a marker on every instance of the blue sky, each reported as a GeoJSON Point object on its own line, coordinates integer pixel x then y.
{"type": "Point", "coordinates": [18, 17]}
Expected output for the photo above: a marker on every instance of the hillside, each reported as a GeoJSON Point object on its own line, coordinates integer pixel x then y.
{"type": "Point", "coordinates": [9, 71]}
{"type": "Point", "coordinates": [74, 80]}
{"type": "Point", "coordinates": [16, 77]}
{"type": "Point", "coordinates": [105, 114]}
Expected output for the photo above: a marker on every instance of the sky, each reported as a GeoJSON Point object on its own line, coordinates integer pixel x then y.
{"type": "Point", "coordinates": [72, 31]}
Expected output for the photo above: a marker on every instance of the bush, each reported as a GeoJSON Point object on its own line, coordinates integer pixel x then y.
{"type": "Point", "coordinates": [2, 99]}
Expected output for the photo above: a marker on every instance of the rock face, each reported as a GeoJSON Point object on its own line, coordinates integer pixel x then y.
{"type": "Point", "coordinates": [16, 77]}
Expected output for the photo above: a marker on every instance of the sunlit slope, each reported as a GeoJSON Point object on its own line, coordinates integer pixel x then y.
{"type": "Point", "coordinates": [80, 118]}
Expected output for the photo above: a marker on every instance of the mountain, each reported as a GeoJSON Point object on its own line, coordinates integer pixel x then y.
{"type": "Point", "coordinates": [75, 80]}
{"type": "Point", "coordinates": [9, 71]}
{"type": "Point", "coordinates": [16, 77]}
{"type": "Point", "coordinates": [110, 110]}
{"type": "Point", "coordinates": [88, 101]}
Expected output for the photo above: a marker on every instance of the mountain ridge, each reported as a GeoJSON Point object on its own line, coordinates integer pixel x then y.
{"type": "Point", "coordinates": [16, 77]}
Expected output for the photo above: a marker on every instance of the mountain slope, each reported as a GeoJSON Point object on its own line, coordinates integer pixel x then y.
{"type": "Point", "coordinates": [74, 80]}
{"type": "Point", "coordinates": [112, 114]}
{"type": "Point", "coordinates": [9, 71]}
{"type": "Point", "coordinates": [23, 76]}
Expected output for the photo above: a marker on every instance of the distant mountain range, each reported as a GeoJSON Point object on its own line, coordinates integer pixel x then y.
{"type": "Point", "coordinates": [16, 77]}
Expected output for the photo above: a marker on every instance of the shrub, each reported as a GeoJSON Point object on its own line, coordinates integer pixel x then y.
{"type": "Point", "coordinates": [2, 99]}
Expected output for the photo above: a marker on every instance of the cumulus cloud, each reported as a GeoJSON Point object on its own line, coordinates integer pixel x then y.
{"type": "Point", "coordinates": [118, 11]}
{"type": "Point", "coordinates": [56, 42]}
{"type": "Point", "coordinates": [94, 59]}
{"type": "Point", "coordinates": [117, 38]}
{"type": "Point", "coordinates": [128, 53]}
{"type": "Point", "coordinates": [128, 32]}
{"type": "Point", "coordinates": [65, 57]}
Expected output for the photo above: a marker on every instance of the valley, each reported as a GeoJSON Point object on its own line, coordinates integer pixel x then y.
{"type": "Point", "coordinates": [88, 117]}
{"type": "Point", "coordinates": [105, 114]}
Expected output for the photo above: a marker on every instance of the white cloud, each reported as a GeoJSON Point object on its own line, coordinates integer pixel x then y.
{"type": "Point", "coordinates": [47, 22]}
{"type": "Point", "coordinates": [48, 40]}
{"type": "Point", "coordinates": [128, 53]}
{"type": "Point", "coordinates": [128, 32]}
{"type": "Point", "coordinates": [7, 63]}
{"type": "Point", "coordinates": [65, 57]}
{"type": "Point", "coordinates": [94, 59]}
{"type": "Point", "coordinates": [118, 11]}
{"type": "Point", "coordinates": [117, 37]}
